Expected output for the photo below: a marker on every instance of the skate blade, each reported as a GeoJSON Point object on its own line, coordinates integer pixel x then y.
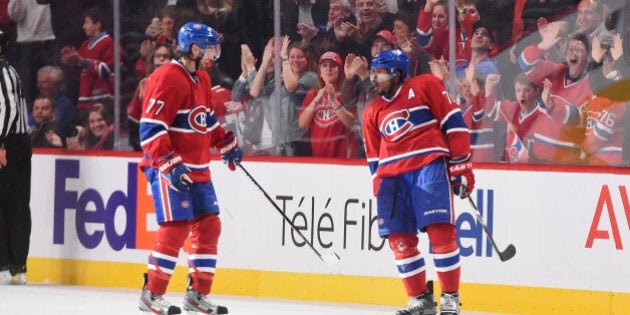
{"type": "Point", "coordinates": [167, 313]}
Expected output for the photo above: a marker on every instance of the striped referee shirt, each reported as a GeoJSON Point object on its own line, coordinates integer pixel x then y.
{"type": "Point", "coordinates": [13, 112]}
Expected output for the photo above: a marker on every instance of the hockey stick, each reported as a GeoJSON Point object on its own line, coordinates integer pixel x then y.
{"type": "Point", "coordinates": [329, 259]}
{"type": "Point", "coordinates": [505, 255]}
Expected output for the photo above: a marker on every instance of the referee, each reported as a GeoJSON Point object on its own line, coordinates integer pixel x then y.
{"type": "Point", "coordinates": [15, 174]}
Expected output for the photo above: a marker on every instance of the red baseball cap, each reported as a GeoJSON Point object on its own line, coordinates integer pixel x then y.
{"type": "Point", "coordinates": [331, 55]}
{"type": "Point", "coordinates": [386, 35]}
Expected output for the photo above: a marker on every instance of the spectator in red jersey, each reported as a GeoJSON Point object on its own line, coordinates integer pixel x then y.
{"type": "Point", "coordinates": [436, 39]}
{"type": "Point", "coordinates": [328, 122]}
{"type": "Point", "coordinates": [522, 115]}
{"type": "Point", "coordinates": [569, 85]}
{"type": "Point", "coordinates": [96, 60]}
{"type": "Point", "coordinates": [431, 27]}
{"type": "Point", "coordinates": [606, 113]}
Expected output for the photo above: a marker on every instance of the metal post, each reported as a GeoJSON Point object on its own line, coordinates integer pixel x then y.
{"type": "Point", "coordinates": [117, 75]}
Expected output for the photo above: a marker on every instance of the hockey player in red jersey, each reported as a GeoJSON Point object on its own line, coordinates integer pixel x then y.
{"type": "Point", "coordinates": [418, 151]}
{"type": "Point", "coordinates": [177, 130]}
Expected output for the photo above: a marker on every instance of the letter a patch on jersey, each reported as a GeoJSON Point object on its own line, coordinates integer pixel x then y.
{"type": "Point", "coordinates": [411, 94]}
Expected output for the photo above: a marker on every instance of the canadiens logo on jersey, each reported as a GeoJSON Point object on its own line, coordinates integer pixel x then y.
{"type": "Point", "coordinates": [400, 122]}
{"type": "Point", "coordinates": [396, 124]}
{"type": "Point", "coordinates": [197, 119]}
{"type": "Point", "coordinates": [326, 116]}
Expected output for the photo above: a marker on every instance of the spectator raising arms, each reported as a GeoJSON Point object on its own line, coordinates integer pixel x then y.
{"type": "Point", "coordinates": [254, 87]}
{"type": "Point", "coordinates": [297, 79]}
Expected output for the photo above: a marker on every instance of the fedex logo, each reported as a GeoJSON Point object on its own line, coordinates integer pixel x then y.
{"type": "Point", "coordinates": [94, 214]}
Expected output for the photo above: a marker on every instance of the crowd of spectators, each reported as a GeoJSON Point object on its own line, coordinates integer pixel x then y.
{"type": "Point", "coordinates": [537, 81]}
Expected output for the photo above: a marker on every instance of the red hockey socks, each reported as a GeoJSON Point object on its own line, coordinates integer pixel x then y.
{"type": "Point", "coordinates": [442, 237]}
{"type": "Point", "coordinates": [163, 256]}
{"type": "Point", "coordinates": [202, 256]}
{"type": "Point", "coordinates": [410, 263]}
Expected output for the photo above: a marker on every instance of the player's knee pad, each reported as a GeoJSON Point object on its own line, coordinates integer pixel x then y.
{"type": "Point", "coordinates": [443, 237]}
{"type": "Point", "coordinates": [172, 234]}
{"type": "Point", "coordinates": [404, 245]}
{"type": "Point", "coordinates": [205, 231]}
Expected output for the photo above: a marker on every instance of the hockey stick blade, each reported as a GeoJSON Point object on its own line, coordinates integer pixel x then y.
{"type": "Point", "coordinates": [328, 259]}
{"type": "Point", "coordinates": [508, 253]}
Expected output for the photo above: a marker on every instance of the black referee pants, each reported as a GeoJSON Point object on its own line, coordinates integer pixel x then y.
{"type": "Point", "coordinates": [15, 198]}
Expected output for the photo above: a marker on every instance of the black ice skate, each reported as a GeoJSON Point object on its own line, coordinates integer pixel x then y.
{"type": "Point", "coordinates": [423, 304]}
{"type": "Point", "coordinates": [449, 304]}
{"type": "Point", "coordinates": [155, 304]}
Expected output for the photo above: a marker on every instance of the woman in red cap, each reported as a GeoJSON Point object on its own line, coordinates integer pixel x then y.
{"type": "Point", "coordinates": [327, 121]}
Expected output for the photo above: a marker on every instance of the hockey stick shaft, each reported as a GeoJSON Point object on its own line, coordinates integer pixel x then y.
{"type": "Point", "coordinates": [509, 252]}
{"type": "Point", "coordinates": [286, 218]}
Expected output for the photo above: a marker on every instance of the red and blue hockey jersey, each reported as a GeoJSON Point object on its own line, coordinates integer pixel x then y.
{"type": "Point", "coordinates": [178, 119]}
{"type": "Point", "coordinates": [418, 125]}
{"type": "Point", "coordinates": [96, 80]}
{"type": "Point", "coordinates": [603, 141]}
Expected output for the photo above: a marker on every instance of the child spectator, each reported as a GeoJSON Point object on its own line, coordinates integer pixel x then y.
{"type": "Point", "coordinates": [521, 115]}
{"type": "Point", "coordinates": [96, 60]}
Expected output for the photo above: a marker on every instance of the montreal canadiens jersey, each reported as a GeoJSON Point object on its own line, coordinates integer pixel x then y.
{"type": "Point", "coordinates": [329, 137]}
{"type": "Point", "coordinates": [603, 141]}
{"type": "Point", "coordinates": [96, 79]}
{"type": "Point", "coordinates": [419, 124]}
{"type": "Point", "coordinates": [538, 69]}
{"type": "Point", "coordinates": [178, 119]}
{"type": "Point", "coordinates": [481, 127]}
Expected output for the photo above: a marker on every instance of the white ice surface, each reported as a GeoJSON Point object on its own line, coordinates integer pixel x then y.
{"type": "Point", "coordinates": [79, 300]}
